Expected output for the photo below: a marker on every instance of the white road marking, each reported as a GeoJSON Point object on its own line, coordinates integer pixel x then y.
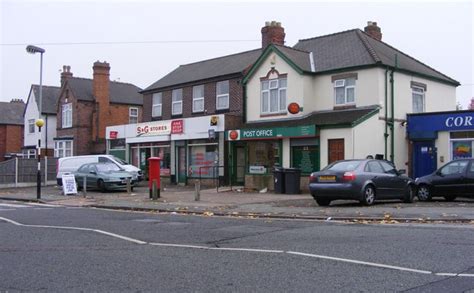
{"type": "Point", "coordinates": [371, 264]}
{"type": "Point", "coordinates": [10, 205]}
{"type": "Point", "coordinates": [42, 205]}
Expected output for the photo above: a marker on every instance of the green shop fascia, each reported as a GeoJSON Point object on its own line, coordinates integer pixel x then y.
{"type": "Point", "coordinates": [256, 151]}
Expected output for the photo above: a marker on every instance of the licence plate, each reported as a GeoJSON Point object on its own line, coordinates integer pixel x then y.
{"type": "Point", "coordinates": [327, 178]}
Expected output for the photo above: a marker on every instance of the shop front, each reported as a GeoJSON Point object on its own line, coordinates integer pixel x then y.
{"type": "Point", "coordinates": [437, 138]}
{"type": "Point", "coordinates": [255, 152]}
{"type": "Point", "coordinates": [189, 148]}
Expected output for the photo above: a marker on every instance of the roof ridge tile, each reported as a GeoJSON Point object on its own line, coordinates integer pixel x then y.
{"type": "Point", "coordinates": [328, 35]}
{"type": "Point", "coordinates": [369, 48]}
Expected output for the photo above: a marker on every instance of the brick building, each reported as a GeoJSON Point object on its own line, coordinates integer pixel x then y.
{"type": "Point", "coordinates": [87, 106]}
{"type": "Point", "coordinates": [11, 128]}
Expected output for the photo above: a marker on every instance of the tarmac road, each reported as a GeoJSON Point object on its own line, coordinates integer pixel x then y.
{"type": "Point", "coordinates": [58, 249]}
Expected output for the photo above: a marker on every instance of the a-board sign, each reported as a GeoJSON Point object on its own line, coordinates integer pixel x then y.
{"type": "Point", "coordinates": [69, 184]}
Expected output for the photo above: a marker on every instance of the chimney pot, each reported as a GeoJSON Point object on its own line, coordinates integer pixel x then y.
{"type": "Point", "coordinates": [66, 73]}
{"type": "Point", "coordinates": [373, 30]}
{"type": "Point", "coordinates": [273, 33]}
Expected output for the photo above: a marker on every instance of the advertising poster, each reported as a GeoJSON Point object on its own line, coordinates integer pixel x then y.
{"type": "Point", "coordinates": [462, 149]}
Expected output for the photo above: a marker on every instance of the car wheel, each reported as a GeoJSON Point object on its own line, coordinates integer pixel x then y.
{"type": "Point", "coordinates": [368, 196]}
{"type": "Point", "coordinates": [101, 185]}
{"type": "Point", "coordinates": [409, 194]}
{"type": "Point", "coordinates": [424, 193]}
{"type": "Point", "coordinates": [324, 202]}
{"type": "Point", "coordinates": [449, 197]}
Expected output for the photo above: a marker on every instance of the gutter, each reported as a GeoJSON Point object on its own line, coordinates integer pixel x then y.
{"type": "Point", "coordinates": [385, 135]}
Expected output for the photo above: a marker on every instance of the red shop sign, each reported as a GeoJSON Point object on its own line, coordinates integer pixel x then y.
{"type": "Point", "coordinates": [177, 126]}
{"type": "Point", "coordinates": [113, 134]}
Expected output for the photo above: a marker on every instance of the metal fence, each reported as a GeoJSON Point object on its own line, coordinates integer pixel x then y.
{"type": "Point", "coordinates": [19, 170]}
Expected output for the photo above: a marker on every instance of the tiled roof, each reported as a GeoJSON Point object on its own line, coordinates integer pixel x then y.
{"type": "Point", "coordinates": [49, 99]}
{"type": "Point", "coordinates": [300, 58]}
{"type": "Point", "coordinates": [320, 119]}
{"type": "Point", "coordinates": [120, 93]}
{"type": "Point", "coordinates": [355, 48]}
{"type": "Point", "coordinates": [206, 69]}
{"type": "Point", "coordinates": [12, 113]}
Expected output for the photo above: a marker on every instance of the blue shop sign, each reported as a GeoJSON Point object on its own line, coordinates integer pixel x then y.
{"type": "Point", "coordinates": [426, 125]}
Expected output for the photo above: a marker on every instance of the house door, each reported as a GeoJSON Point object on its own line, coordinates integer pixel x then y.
{"type": "Point", "coordinates": [238, 165]}
{"type": "Point", "coordinates": [335, 150]}
{"type": "Point", "coordinates": [181, 163]}
{"type": "Point", "coordinates": [424, 158]}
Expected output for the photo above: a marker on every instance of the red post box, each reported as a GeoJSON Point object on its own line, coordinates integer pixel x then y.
{"type": "Point", "coordinates": [154, 174]}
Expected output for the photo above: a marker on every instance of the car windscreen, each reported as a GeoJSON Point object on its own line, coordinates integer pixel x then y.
{"type": "Point", "coordinates": [120, 161]}
{"type": "Point", "coordinates": [343, 166]}
{"type": "Point", "coordinates": [107, 167]}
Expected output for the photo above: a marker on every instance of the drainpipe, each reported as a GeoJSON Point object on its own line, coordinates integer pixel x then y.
{"type": "Point", "coordinates": [385, 135]}
{"type": "Point", "coordinates": [46, 133]}
{"type": "Point", "coordinates": [392, 110]}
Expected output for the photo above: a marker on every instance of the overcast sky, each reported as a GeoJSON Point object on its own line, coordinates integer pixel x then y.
{"type": "Point", "coordinates": [143, 41]}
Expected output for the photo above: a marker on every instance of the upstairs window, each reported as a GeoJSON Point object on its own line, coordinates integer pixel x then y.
{"type": "Point", "coordinates": [222, 95]}
{"type": "Point", "coordinates": [177, 102]}
{"type": "Point", "coordinates": [344, 91]}
{"type": "Point", "coordinates": [31, 126]}
{"type": "Point", "coordinates": [418, 99]}
{"type": "Point", "coordinates": [198, 98]}
{"type": "Point", "coordinates": [157, 105]}
{"type": "Point", "coordinates": [67, 115]}
{"type": "Point", "coordinates": [133, 115]}
{"type": "Point", "coordinates": [273, 95]}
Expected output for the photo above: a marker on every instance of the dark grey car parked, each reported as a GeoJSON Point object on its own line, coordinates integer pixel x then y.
{"type": "Point", "coordinates": [362, 180]}
{"type": "Point", "coordinates": [454, 179]}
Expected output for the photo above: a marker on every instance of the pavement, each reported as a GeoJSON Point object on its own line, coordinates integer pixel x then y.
{"type": "Point", "coordinates": [235, 202]}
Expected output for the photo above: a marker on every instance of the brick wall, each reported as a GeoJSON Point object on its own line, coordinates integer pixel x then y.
{"type": "Point", "coordinates": [235, 100]}
{"type": "Point", "coordinates": [11, 139]}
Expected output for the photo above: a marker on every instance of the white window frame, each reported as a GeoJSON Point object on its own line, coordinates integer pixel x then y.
{"type": "Point", "coordinates": [220, 96]}
{"type": "Point", "coordinates": [341, 83]}
{"type": "Point", "coordinates": [198, 99]}
{"type": "Point", "coordinates": [157, 107]}
{"type": "Point", "coordinates": [61, 148]}
{"type": "Point", "coordinates": [421, 93]}
{"type": "Point", "coordinates": [273, 84]}
{"type": "Point", "coordinates": [132, 116]}
{"type": "Point", "coordinates": [66, 118]}
{"type": "Point", "coordinates": [31, 125]}
{"type": "Point", "coordinates": [174, 102]}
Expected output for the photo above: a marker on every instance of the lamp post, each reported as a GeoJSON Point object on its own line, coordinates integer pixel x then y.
{"type": "Point", "coordinates": [39, 122]}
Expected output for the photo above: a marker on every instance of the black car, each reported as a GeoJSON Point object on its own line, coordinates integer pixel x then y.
{"type": "Point", "coordinates": [362, 180]}
{"type": "Point", "coordinates": [454, 179]}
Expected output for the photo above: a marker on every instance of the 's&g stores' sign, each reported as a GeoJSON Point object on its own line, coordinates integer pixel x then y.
{"type": "Point", "coordinates": [160, 128]}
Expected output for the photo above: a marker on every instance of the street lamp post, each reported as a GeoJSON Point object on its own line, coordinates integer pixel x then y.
{"type": "Point", "coordinates": [39, 122]}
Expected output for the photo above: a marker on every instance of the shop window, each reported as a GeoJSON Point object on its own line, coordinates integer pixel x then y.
{"type": "Point", "coordinates": [203, 161]}
{"type": "Point", "coordinates": [117, 144]}
{"type": "Point", "coordinates": [263, 156]}
{"type": "Point", "coordinates": [164, 153]}
{"type": "Point", "coordinates": [461, 149]}
{"type": "Point", "coordinates": [305, 158]}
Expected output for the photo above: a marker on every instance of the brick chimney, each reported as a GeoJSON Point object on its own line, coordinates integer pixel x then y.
{"type": "Point", "coordinates": [66, 73]}
{"type": "Point", "coordinates": [273, 33]}
{"type": "Point", "coordinates": [373, 30]}
{"type": "Point", "coordinates": [100, 90]}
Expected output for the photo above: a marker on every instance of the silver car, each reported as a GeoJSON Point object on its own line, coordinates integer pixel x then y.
{"type": "Point", "coordinates": [362, 180]}
{"type": "Point", "coordinates": [104, 176]}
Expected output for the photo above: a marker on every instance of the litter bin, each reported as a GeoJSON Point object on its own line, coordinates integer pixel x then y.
{"type": "Point", "coordinates": [279, 180]}
{"type": "Point", "coordinates": [292, 180]}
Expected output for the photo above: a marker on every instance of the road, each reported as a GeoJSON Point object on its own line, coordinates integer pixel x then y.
{"type": "Point", "coordinates": [59, 249]}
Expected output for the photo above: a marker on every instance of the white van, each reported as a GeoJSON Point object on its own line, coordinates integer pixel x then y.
{"type": "Point", "coordinates": [69, 165]}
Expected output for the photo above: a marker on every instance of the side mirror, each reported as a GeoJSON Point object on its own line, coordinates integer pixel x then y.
{"type": "Point", "coordinates": [402, 171]}
{"type": "Point", "coordinates": [439, 173]}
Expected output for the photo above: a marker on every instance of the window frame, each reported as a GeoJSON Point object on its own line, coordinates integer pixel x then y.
{"type": "Point", "coordinates": [66, 118]}
{"type": "Point", "coordinates": [196, 99]}
{"type": "Point", "coordinates": [156, 105]}
{"type": "Point", "coordinates": [61, 148]}
{"type": "Point", "coordinates": [222, 95]}
{"type": "Point", "coordinates": [420, 93]}
{"type": "Point", "coordinates": [345, 87]}
{"type": "Point", "coordinates": [175, 102]}
{"type": "Point", "coordinates": [130, 116]}
{"type": "Point", "coordinates": [280, 109]}
{"type": "Point", "coordinates": [31, 125]}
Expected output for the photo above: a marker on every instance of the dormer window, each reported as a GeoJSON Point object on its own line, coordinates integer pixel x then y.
{"type": "Point", "coordinates": [344, 91]}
